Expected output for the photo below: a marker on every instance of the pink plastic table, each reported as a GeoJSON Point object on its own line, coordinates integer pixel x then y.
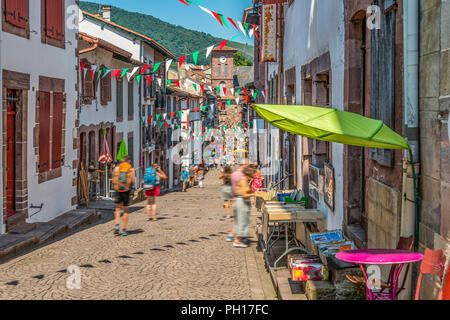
{"type": "Point", "coordinates": [380, 257]}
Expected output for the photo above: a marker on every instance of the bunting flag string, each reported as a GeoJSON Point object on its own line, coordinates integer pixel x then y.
{"type": "Point", "coordinates": [181, 60]}
{"type": "Point", "coordinates": [168, 63]}
{"type": "Point", "coordinates": [156, 67]}
{"type": "Point", "coordinates": [223, 21]}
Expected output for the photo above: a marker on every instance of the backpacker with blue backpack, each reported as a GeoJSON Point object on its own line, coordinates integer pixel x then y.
{"type": "Point", "coordinates": [150, 179]}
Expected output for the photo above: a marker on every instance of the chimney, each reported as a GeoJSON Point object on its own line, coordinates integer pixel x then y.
{"type": "Point", "coordinates": [106, 13]}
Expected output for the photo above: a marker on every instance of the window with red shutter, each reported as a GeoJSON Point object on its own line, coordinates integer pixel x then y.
{"type": "Point", "coordinates": [16, 12]}
{"type": "Point", "coordinates": [57, 125]}
{"type": "Point", "coordinates": [88, 85]}
{"type": "Point", "coordinates": [105, 89]}
{"type": "Point", "coordinates": [44, 132]}
{"type": "Point", "coordinates": [54, 19]}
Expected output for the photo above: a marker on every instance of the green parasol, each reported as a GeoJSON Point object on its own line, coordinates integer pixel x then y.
{"type": "Point", "coordinates": [122, 150]}
{"type": "Point", "coordinates": [332, 125]}
{"type": "Point", "coordinates": [342, 127]}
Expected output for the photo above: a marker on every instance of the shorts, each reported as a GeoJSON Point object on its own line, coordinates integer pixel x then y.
{"type": "Point", "coordinates": [153, 193]}
{"type": "Point", "coordinates": [227, 193]}
{"type": "Point", "coordinates": [123, 198]}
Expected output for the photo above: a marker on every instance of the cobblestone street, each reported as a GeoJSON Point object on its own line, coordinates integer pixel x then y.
{"type": "Point", "coordinates": [183, 255]}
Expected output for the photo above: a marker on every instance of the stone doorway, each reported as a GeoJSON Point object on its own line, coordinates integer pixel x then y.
{"type": "Point", "coordinates": [15, 182]}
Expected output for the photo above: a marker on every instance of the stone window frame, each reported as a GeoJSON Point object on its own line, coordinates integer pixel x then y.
{"type": "Point", "coordinates": [85, 130]}
{"type": "Point", "coordinates": [119, 99]}
{"type": "Point", "coordinates": [10, 28]}
{"type": "Point", "coordinates": [48, 40]}
{"type": "Point", "coordinates": [87, 70]}
{"type": "Point", "coordinates": [51, 85]}
{"type": "Point", "coordinates": [17, 81]}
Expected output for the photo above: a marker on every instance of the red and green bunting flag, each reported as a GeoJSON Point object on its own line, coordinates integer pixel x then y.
{"type": "Point", "coordinates": [189, 3]}
{"type": "Point", "coordinates": [156, 67]}
{"type": "Point", "coordinates": [181, 60]}
{"type": "Point", "coordinates": [144, 68]}
{"type": "Point", "coordinates": [195, 57]}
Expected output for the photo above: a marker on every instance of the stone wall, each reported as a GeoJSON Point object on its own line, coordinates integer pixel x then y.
{"type": "Point", "coordinates": [383, 213]}
{"type": "Point", "coordinates": [434, 227]}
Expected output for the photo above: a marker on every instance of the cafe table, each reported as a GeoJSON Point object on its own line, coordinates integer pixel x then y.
{"type": "Point", "coordinates": [380, 257]}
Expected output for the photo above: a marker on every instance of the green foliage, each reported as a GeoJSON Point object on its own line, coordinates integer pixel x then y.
{"type": "Point", "coordinates": [177, 39]}
{"type": "Point", "coordinates": [240, 60]}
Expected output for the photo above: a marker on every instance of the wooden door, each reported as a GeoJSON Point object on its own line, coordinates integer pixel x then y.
{"type": "Point", "coordinates": [10, 171]}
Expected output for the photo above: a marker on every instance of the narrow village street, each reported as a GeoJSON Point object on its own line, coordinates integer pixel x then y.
{"type": "Point", "coordinates": [183, 255]}
{"type": "Point", "coordinates": [324, 123]}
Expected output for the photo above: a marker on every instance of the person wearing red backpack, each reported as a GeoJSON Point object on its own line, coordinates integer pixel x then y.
{"type": "Point", "coordinates": [124, 180]}
{"type": "Point", "coordinates": [153, 176]}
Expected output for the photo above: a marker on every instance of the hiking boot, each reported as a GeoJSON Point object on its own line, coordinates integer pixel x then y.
{"type": "Point", "coordinates": [116, 229]}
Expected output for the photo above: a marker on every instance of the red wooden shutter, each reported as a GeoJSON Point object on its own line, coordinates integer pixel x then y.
{"type": "Point", "coordinates": [57, 126]}
{"type": "Point", "coordinates": [105, 90]}
{"type": "Point", "coordinates": [108, 96]}
{"type": "Point", "coordinates": [11, 10]}
{"type": "Point", "coordinates": [16, 12]}
{"type": "Point", "coordinates": [88, 88]}
{"type": "Point", "coordinates": [23, 13]}
{"type": "Point", "coordinates": [54, 19]}
{"type": "Point", "coordinates": [44, 132]}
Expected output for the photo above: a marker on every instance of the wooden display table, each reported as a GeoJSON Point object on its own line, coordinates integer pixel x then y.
{"type": "Point", "coordinates": [286, 215]}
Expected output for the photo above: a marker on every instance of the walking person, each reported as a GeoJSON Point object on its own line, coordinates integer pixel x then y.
{"type": "Point", "coordinates": [191, 176]}
{"type": "Point", "coordinates": [124, 180]}
{"type": "Point", "coordinates": [242, 211]}
{"type": "Point", "coordinates": [227, 190]}
{"type": "Point", "coordinates": [185, 178]}
{"type": "Point", "coordinates": [201, 174]}
{"type": "Point", "coordinates": [235, 178]}
{"type": "Point", "coordinates": [152, 179]}
{"type": "Point", "coordinates": [257, 181]}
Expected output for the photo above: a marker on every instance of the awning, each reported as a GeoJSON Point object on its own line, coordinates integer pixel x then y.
{"type": "Point", "coordinates": [332, 125]}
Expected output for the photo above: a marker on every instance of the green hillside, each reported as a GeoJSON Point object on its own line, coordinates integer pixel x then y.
{"type": "Point", "coordinates": [177, 39]}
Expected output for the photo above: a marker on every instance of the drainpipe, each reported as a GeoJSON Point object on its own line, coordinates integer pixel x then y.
{"type": "Point", "coordinates": [409, 220]}
{"type": "Point", "coordinates": [95, 46]}
{"type": "Point", "coordinates": [2, 226]}
{"type": "Point", "coordinates": [411, 160]}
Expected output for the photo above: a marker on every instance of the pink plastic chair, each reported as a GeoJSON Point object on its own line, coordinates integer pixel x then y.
{"type": "Point", "coordinates": [433, 263]}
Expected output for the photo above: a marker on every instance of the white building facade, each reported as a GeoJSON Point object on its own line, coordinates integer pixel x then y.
{"type": "Point", "coordinates": [313, 63]}
{"type": "Point", "coordinates": [38, 64]}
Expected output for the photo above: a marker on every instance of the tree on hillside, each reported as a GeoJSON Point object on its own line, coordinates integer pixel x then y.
{"type": "Point", "coordinates": [240, 61]}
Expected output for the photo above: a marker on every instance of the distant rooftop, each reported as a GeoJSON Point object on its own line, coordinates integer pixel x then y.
{"type": "Point", "coordinates": [225, 48]}
{"type": "Point", "coordinates": [150, 41]}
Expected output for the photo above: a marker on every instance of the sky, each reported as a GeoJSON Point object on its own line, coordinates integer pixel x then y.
{"type": "Point", "coordinates": [193, 17]}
